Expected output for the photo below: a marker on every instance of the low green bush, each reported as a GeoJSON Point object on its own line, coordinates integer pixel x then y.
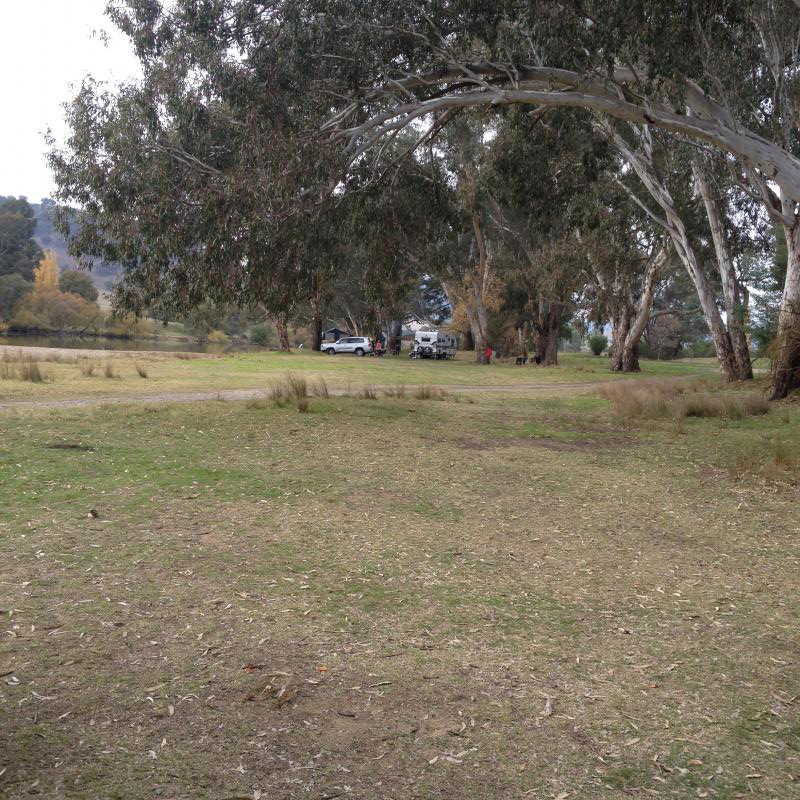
{"type": "Point", "coordinates": [598, 343]}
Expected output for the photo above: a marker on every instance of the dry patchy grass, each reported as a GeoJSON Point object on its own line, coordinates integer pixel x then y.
{"type": "Point", "coordinates": [662, 398]}
{"type": "Point", "coordinates": [286, 604]}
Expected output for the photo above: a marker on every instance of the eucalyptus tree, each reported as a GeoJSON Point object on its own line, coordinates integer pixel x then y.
{"type": "Point", "coordinates": [723, 75]}
{"type": "Point", "coordinates": [202, 179]}
{"type": "Point", "coordinates": [665, 179]}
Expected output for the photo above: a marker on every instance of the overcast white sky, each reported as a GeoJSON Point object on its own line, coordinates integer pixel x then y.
{"type": "Point", "coordinates": [47, 46]}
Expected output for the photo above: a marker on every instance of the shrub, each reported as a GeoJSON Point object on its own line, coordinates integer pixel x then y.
{"type": "Point", "coordinates": [702, 349]}
{"type": "Point", "coordinates": [217, 337]}
{"type": "Point", "coordinates": [76, 282]}
{"type": "Point", "coordinates": [127, 326]}
{"type": "Point", "coordinates": [261, 334]}
{"type": "Point", "coordinates": [598, 343]}
{"type": "Point", "coordinates": [54, 310]}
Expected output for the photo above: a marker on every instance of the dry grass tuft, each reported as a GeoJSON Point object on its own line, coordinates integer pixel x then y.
{"type": "Point", "coordinates": [426, 392]}
{"type": "Point", "coordinates": [108, 370]}
{"type": "Point", "coordinates": [367, 393]}
{"type": "Point", "coordinates": [21, 367]}
{"type": "Point", "coordinates": [292, 389]}
{"type": "Point", "coordinates": [320, 389]}
{"type": "Point", "coordinates": [661, 398]}
{"type": "Point", "coordinates": [399, 391]}
{"type": "Point", "coordinates": [7, 369]}
{"type": "Point", "coordinates": [782, 466]}
{"type": "Point", "coordinates": [278, 395]}
{"type": "Point", "coordinates": [29, 371]}
{"type": "Point", "coordinates": [87, 367]}
{"type": "Point", "coordinates": [296, 386]}
{"type": "Point", "coordinates": [141, 370]}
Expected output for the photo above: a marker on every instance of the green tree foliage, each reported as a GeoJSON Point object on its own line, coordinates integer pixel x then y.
{"type": "Point", "coordinates": [13, 288]}
{"type": "Point", "coordinates": [77, 282]}
{"type": "Point", "coordinates": [19, 253]}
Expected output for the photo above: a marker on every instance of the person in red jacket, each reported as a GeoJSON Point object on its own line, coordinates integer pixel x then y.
{"type": "Point", "coordinates": [489, 354]}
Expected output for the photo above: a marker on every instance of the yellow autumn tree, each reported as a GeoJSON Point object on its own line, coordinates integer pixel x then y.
{"type": "Point", "coordinates": [45, 276]}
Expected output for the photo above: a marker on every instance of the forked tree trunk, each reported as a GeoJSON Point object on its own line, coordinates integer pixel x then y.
{"type": "Point", "coordinates": [629, 361]}
{"type": "Point", "coordinates": [282, 324]}
{"type": "Point", "coordinates": [734, 309]}
{"type": "Point", "coordinates": [674, 225]}
{"type": "Point", "coordinates": [786, 360]}
{"type": "Point", "coordinates": [620, 327]}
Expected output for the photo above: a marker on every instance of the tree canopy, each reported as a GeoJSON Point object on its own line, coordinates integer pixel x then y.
{"type": "Point", "coordinates": [259, 158]}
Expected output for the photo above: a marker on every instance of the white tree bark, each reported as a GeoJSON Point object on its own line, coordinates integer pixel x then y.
{"type": "Point", "coordinates": [675, 227]}
{"type": "Point", "coordinates": [730, 286]}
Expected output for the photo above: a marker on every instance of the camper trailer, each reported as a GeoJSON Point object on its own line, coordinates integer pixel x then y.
{"type": "Point", "coordinates": [434, 344]}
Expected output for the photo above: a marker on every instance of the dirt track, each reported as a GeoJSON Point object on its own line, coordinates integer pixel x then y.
{"type": "Point", "coordinates": [254, 394]}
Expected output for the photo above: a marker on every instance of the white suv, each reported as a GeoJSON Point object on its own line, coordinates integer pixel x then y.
{"type": "Point", "coordinates": [360, 345]}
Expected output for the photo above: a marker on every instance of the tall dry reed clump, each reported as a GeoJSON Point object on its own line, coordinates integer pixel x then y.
{"type": "Point", "coordinates": [293, 389]}
{"type": "Point", "coordinates": [426, 392]}
{"type": "Point", "coordinates": [662, 398]}
{"type": "Point", "coordinates": [22, 367]}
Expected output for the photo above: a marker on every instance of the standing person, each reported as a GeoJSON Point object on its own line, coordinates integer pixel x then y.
{"type": "Point", "coordinates": [489, 354]}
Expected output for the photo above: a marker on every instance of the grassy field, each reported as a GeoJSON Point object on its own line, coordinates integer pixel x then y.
{"type": "Point", "coordinates": [66, 376]}
{"type": "Point", "coordinates": [490, 596]}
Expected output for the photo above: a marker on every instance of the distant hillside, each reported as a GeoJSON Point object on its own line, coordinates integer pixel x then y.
{"type": "Point", "coordinates": [103, 275]}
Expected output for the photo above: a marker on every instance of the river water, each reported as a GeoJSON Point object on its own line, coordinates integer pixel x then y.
{"type": "Point", "coordinates": [101, 343]}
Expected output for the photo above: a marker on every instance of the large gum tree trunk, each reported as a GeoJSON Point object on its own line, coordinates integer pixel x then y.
{"type": "Point", "coordinates": [395, 335]}
{"type": "Point", "coordinates": [734, 308]}
{"type": "Point", "coordinates": [316, 324]}
{"type": "Point", "coordinates": [620, 326]}
{"type": "Point", "coordinates": [786, 362]}
{"type": "Point", "coordinates": [630, 346]}
{"type": "Point", "coordinates": [282, 324]}
{"type": "Point", "coordinates": [548, 327]}
{"type": "Point", "coordinates": [477, 325]}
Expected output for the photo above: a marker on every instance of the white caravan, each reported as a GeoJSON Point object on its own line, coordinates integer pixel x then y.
{"type": "Point", "coordinates": [434, 344]}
